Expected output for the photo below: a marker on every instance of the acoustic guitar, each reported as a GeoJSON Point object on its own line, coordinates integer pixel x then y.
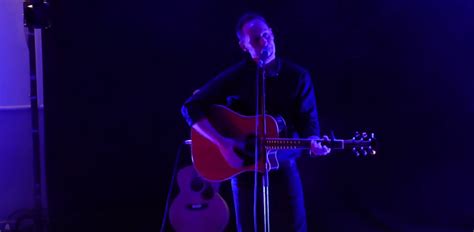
{"type": "Point", "coordinates": [211, 165]}
{"type": "Point", "coordinates": [198, 207]}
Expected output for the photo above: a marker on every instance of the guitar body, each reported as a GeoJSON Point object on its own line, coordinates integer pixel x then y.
{"type": "Point", "coordinates": [207, 159]}
{"type": "Point", "coordinates": [198, 207]}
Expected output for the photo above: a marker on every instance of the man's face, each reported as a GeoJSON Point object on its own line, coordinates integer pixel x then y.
{"type": "Point", "coordinates": [255, 36]}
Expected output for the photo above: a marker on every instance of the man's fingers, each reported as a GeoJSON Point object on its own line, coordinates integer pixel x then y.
{"type": "Point", "coordinates": [327, 150]}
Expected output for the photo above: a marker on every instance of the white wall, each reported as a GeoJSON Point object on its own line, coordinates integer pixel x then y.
{"type": "Point", "coordinates": [14, 71]}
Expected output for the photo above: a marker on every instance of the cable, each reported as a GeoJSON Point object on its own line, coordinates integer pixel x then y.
{"type": "Point", "coordinates": [170, 190]}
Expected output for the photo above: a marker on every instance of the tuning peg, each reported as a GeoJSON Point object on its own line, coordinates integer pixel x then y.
{"type": "Point", "coordinates": [364, 135]}
{"type": "Point", "coordinates": [364, 151]}
{"type": "Point", "coordinates": [355, 152]}
{"type": "Point", "coordinates": [356, 136]}
{"type": "Point", "coordinates": [372, 151]}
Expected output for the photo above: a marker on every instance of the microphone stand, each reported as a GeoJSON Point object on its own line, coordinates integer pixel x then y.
{"type": "Point", "coordinates": [261, 130]}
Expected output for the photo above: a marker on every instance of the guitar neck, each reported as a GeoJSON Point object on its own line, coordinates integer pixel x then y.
{"type": "Point", "coordinates": [336, 144]}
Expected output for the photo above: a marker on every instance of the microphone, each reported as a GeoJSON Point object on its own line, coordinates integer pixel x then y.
{"type": "Point", "coordinates": [264, 54]}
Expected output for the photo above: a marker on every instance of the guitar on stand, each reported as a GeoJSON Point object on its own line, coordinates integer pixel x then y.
{"type": "Point", "coordinates": [198, 207]}
{"type": "Point", "coordinates": [212, 166]}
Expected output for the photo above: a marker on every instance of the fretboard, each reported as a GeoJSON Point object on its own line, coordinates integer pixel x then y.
{"type": "Point", "coordinates": [338, 144]}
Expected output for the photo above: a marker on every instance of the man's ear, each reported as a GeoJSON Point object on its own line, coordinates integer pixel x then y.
{"type": "Point", "coordinates": [242, 46]}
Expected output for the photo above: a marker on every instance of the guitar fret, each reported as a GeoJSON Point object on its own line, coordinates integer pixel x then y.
{"type": "Point", "coordinates": [282, 143]}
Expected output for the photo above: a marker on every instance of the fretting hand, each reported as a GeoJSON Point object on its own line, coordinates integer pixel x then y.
{"type": "Point", "coordinates": [317, 149]}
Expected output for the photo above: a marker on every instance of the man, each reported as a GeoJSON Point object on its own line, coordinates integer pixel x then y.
{"type": "Point", "coordinates": [290, 94]}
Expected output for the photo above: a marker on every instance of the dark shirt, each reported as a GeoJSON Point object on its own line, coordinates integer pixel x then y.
{"type": "Point", "coordinates": [290, 94]}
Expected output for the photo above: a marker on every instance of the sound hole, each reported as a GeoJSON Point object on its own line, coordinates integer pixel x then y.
{"type": "Point", "coordinates": [197, 184]}
{"type": "Point", "coordinates": [208, 193]}
{"type": "Point", "coordinates": [248, 153]}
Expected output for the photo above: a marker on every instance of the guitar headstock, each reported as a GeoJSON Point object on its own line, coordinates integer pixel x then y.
{"type": "Point", "coordinates": [364, 144]}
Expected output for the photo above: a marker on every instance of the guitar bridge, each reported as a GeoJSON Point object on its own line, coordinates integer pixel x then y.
{"type": "Point", "coordinates": [197, 206]}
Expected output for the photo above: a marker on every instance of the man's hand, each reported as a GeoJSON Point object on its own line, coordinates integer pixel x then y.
{"type": "Point", "coordinates": [227, 148]}
{"type": "Point", "coordinates": [319, 150]}
{"type": "Point", "coordinates": [226, 145]}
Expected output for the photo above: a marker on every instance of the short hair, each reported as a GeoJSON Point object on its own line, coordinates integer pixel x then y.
{"type": "Point", "coordinates": [245, 18]}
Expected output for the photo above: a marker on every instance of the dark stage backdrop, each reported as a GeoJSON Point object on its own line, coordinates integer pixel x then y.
{"type": "Point", "coordinates": [117, 72]}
